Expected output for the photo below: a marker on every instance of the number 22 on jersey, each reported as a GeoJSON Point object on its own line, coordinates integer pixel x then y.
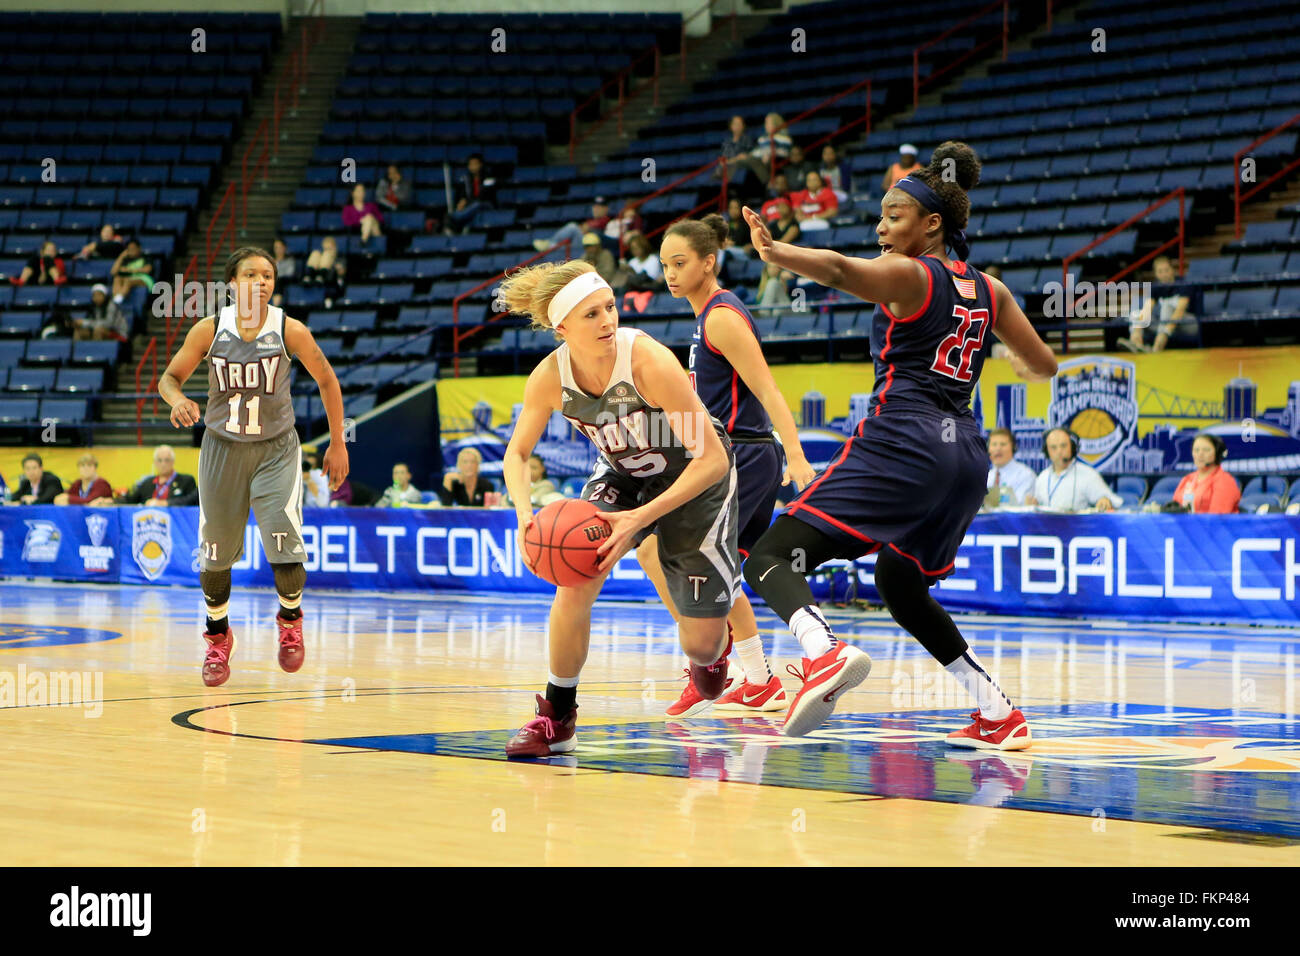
{"type": "Point", "coordinates": [969, 338]}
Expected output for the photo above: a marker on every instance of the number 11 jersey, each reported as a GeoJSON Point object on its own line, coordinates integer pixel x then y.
{"type": "Point", "coordinates": [248, 382]}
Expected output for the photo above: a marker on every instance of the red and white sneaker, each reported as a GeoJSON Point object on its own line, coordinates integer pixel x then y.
{"type": "Point", "coordinates": [841, 668]}
{"type": "Point", "coordinates": [216, 663]}
{"type": "Point", "coordinates": [545, 734]}
{"type": "Point", "coordinates": [291, 647]}
{"type": "Point", "coordinates": [1010, 734]}
{"type": "Point", "coordinates": [690, 702]}
{"type": "Point", "coordinates": [755, 698]}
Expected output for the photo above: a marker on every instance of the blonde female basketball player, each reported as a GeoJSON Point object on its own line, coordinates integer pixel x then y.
{"type": "Point", "coordinates": [250, 450]}
{"type": "Point", "coordinates": [665, 465]}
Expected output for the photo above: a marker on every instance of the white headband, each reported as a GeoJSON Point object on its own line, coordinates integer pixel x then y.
{"type": "Point", "coordinates": [573, 293]}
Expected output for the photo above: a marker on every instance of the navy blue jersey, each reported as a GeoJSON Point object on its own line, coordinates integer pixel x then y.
{"type": "Point", "coordinates": [720, 387]}
{"type": "Point", "coordinates": [933, 357]}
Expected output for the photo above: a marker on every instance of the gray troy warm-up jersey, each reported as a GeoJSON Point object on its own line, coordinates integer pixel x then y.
{"type": "Point", "coordinates": [635, 437]}
{"type": "Point", "coordinates": [248, 382]}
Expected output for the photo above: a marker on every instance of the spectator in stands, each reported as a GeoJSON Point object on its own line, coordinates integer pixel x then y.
{"type": "Point", "coordinates": [798, 168]}
{"type": "Point", "coordinates": [1067, 484]}
{"type": "Point", "coordinates": [343, 496]}
{"type": "Point", "coordinates": [574, 232]}
{"type": "Point", "coordinates": [737, 228]}
{"type": "Point", "coordinates": [166, 487]}
{"type": "Point", "coordinates": [286, 266]}
{"type": "Point", "coordinates": [46, 267]}
{"type": "Point", "coordinates": [541, 490]}
{"type": "Point", "coordinates": [361, 217]}
{"type": "Point", "coordinates": [905, 164]}
{"type": "Point", "coordinates": [130, 269]}
{"type": "Point", "coordinates": [814, 204]}
{"type": "Point", "coordinates": [1209, 489]}
{"type": "Point", "coordinates": [619, 227]}
{"type": "Point", "coordinates": [774, 286]}
{"type": "Point", "coordinates": [643, 270]}
{"type": "Point", "coordinates": [475, 189]}
{"type": "Point", "coordinates": [315, 490]}
{"type": "Point", "coordinates": [465, 486]}
{"type": "Point", "coordinates": [393, 191]}
{"type": "Point", "coordinates": [90, 488]}
{"type": "Point", "coordinates": [784, 226]}
{"type": "Point", "coordinates": [744, 172]}
{"type": "Point", "coordinates": [778, 191]}
{"type": "Point", "coordinates": [594, 251]}
{"type": "Point", "coordinates": [774, 139]}
{"type": "Point", "coordinates": [38, 487]}
{"type": "Point", "coordinates": [103, 321]}
{"type": "Point", "coordinates": [109, 245]}
{"type": "Point", "coordinates": [1169, 301]}
{"type": "Point", "coordinates": [1010, 481]}
{"type": "Point", "coordinates": [326, 267]}
{"type": "Point", "coordinates": [835, 173]}
{"type": "Point", "coordinates": [401, 491]}
{"type": "Point", "coordinates": [58, 324]}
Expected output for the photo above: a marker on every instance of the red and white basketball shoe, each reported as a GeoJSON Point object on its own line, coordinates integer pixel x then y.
{"type": "Point", "coordinates": [291, 647]}
{"type": "Point", "coordinates": [841, 668]}
{"type": "Point", "coordinates": [546, 733]}
{"type": "Point", "coordinates": [1009, 734]}
{"type": "Point", "coordinates": [755, 698]}
{"type": "Point", "coordinates": [690, 702]}
{"type": "Point", "coordinates": [216, 663]}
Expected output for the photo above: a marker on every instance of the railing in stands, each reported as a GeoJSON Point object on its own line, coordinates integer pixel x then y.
{"type": "Point", "coordinates": [682, 48]}
{"type": "Point", "coordinates": [834, 98]}
{"type": "Point", "coordinates": [1179, 194]}
{"type": "Point", "coordinates": [150, 353]}
{"type": "Point", "coordinates": [1238, 197]}
{"type": "Point", "coordinates": [918, 81]}
{"type": "Point", "coordinates": [178, 303]}
{"type": "Point", "coordinates": [623, 79]}
{"type": "Point", "coordinates": [457, 336]}
{"type": "Point", "coordinates": [721, 201]}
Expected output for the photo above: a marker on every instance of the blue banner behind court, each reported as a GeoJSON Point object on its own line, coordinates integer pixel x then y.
{"type": "Point", "coordinates": [1191, 567]}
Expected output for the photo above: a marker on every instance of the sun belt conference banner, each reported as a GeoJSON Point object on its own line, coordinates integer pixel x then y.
{"type": "Point", "coordinates": [1188, 567]}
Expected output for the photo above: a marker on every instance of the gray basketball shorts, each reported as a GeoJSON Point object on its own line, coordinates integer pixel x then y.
{"type": "Point", "coordinates": [697, 542]}
{"type": "Point", "coordinates": [234, 475]}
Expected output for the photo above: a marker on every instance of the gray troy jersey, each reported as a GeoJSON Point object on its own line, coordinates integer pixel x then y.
{"type": "Point", "coordinates": [248, 382]}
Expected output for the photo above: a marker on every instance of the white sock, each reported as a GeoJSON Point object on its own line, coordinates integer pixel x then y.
{"type": "Point", "coordinates": [992, 703]}
{"type": "Point", "coordinates": [561, 681]}
{"type": "Point", "coordinates": [811, 631]}
{"type": "Point", "coordinates": [753, 660]}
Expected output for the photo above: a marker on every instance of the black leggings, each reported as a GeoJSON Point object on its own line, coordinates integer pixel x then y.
{"type": "Point", "coordinates": [791, 549]}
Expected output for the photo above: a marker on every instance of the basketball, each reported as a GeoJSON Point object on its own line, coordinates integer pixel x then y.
{"type": "Point", "coordinates": [562, 542]}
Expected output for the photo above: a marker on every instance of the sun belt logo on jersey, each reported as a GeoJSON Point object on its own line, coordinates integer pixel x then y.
{"type": "Point", "coordinates": [96, 556]}
{"type": "Point", "coordinates": [1096, 398]}
{"type": "Point", "coordinates": [268, 341]}
{"type": "Point", "coordinates": [151, 541]}
{"type": "Point", "coordinates": [42, 543]}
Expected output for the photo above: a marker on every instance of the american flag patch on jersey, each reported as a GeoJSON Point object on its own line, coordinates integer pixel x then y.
{"type": "Point", "coordinates": [965, 287]}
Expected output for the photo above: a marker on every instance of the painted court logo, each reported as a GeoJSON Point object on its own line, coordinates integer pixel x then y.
{"type": "Point", "coordinates": [151, 542]}
{"type": "Point", "coordinates": [96, 556]}
{"type": "Point", "coordinates": [42, 543]}
{"type": "Point", "coordinates": [1096, 398]}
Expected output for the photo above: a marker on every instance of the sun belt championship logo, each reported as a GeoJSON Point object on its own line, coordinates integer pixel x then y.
{"type": "Point", "coordinates": [42, 543]}
{"type": "Point", "coordinates": [96, 556]}
{"type": "Point", "coordinates": [1096, 398]}
{"type": "Point", "coordinates": [151, 541]}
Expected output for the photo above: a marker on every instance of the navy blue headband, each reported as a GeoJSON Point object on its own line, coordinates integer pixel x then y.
{"type": "Point", "coordinates": [928, 198]}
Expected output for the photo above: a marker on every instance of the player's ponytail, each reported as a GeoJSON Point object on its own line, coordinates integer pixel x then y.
{"type": "Point", "coordinates": [953, 170]}
{"type": "Point", "coordinates": [705, 236]}
{"type": "Point", "coordinates": [529, 291]}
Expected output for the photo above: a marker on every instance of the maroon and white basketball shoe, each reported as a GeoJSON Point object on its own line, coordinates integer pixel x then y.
{"type": "Point", "coordinates": [546, 733]}
{"type": "Point", "coordinates": [216, 663]}
{"type": "Point", "coordinates": [292, 651]}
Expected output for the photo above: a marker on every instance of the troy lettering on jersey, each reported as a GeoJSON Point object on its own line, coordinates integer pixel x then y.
{"type": "Point", "coordinates": [246, 376]}
{"type": "Point", "coordinates": [619, 433]}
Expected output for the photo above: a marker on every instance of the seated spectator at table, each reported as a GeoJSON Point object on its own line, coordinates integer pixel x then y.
{"type": "Point", "coordinates": [401, 491]}
{"type": "Point", "coordinates": [90, 488]}
{"type": "Point", "coordinates": [38, 487]}
{"type": "Point", "coordinates": [475, 190]}
{"type": "Point", "coordinates": [905, 164]}
{"type": "Point", "coordinates": [315, 489]}
{"type": "Point", "coordinates": [775, 138]}
{"type": "Point", "coordinates": [393, 191]}
{"type": "Point", "coordinates": [361, 216]}
{"type": "Point", "coordinates": [1167, 309]}
{"type": "Point", "coordinates": [778, 191]}
{"type": "Point", "coordinates": [1010, 481]}
{"type": "Point", "coordinates": [814, 204]}
{"type": "Point", "coordinates": [594, 251]}
{"type": "Point", "coordinates": [1068, 484]}
{"type": "Point", "coordinates": [773, 286]}
{"type": "Point", "coordinates": [835, 173]}
{"type": "Point", "coordinates": [541, 490]}
{"type": "Point", "coordinates": [166, 487]}
{"type": "Point", "coordinates": [465, 487]}
{"type": "Point", "coordinates": [1209, 489]}
{"type": "Point", "coordinates": [784, 226]}
{"type": "Point", "coordinates": [574, 232]}
{"type": "Point", "coordinates": [798, 168]}
{"type": "Point", "coordinates": [343, 496]}
{"type": "Point", "coordinates": [46, 268]}
{"type": "Point", "coordinates": [104, 320]}
{"type": "Point", "coordinates": [132, 268]}
{"type": "Point", "coordinates": [109, 245]}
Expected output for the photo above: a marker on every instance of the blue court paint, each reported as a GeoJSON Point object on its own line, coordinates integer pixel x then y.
{"type": "Point", "coordinates": [15, 636]}
{"type": "Point", "coordinates": [1191, 767]}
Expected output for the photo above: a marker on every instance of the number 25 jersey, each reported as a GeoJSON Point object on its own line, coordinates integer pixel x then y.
{"type": "Point", "coordinates": [933, 357]}
{"type": "Point", "coordinates": [248, 382]}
